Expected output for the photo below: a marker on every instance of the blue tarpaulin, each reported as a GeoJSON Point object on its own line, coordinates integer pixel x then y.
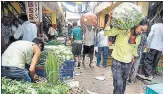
{"type": "Point", "coordinates": [75, 8]}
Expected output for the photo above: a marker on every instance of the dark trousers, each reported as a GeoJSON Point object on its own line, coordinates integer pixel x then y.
{"type": "Point", "coordinates": [134, 68]}
{"type": "Point", "coordinates": [151, 61]}
{"type": "Point", "coordinates": [120, 72]}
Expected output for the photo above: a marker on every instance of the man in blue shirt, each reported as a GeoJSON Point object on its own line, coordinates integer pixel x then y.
{"type": "Point", "coordinates": [77, 42]}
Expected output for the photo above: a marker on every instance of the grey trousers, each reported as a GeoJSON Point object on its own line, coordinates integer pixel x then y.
{"type": "Point", "coordinates": [134, 68]}
{"type": "Point", "coordinates": [120, 72]}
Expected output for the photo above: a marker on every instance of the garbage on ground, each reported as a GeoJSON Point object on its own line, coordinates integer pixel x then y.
{"type": "Point", "coordinates": [101, 78]}
{"type": "Point", "coordinates": [72, 83]}
{"type": "Point", "coordinates": [89, 92]}
{"type": "Point", "coordinates": [77, 74]}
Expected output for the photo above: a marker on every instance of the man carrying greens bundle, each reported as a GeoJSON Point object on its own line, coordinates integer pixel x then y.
{"type": "Point", "coordinates": [124, 52]}
{"type": "Point", "coordinates": [17, 55]}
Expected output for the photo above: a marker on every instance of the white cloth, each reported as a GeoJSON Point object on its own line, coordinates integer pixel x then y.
{"type": "Point", "coordinates": [102, 40]}
{"type": "Point", "coordinates": [17, 54]}
{"type": "Point", "coordinates": [155, 37]}
{"type": "Point", "coordinates": [89, 37]}
{"type": "Point", "coordinates": [27, 30]}
{"type": "Point", "coordinates": [14, 29]}
{"type": "Point", "coordinates": [51, 31]}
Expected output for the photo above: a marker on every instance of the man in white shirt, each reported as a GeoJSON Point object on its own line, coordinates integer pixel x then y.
{"type": "Point", "coordinates": [51, 32]}
{"type": "Point", "coordinates": [155, 46]}
{"type": "Point", "coordinates": [27, 30]}
{"type": "Point", "coordinates": [102, 43]}
{"type": "Point", "coordinates": [89, 38]}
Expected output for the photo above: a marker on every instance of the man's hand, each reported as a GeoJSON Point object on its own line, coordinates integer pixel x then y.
{"type": "Point", "coordinates": [96, 49]}
{"type": "Point", "coordinates": [133, 59]}
{"type": "Point", "coordinates": [110, 15]}
{"type": "Point", "coordinates": [109, 20]}
{"type": "Point", "coordinates": [110, 43]}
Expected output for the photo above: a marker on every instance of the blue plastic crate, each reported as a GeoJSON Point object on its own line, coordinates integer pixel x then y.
{"type": "Point", "coordinates": [66, 73]}
{"type": "Point", "coordinates": [154, 89]}
{"type": "Point", "coordinates": [67, 69]}
{"type": "Point", "coordinates": [41, 72]}
{"type": "Point", "coordinates": [68, 65]}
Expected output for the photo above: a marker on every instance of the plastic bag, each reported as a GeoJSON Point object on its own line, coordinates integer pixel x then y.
{"type": "Point", "coordinates": [89, 19]}
{"type": "Point", "coordinates": [126, 16]}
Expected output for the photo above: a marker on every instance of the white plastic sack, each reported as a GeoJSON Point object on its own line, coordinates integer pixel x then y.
{"type": "Point", "coordinates": [126, 16]}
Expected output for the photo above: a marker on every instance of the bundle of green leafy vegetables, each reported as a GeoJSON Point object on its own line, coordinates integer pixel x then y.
{"type": "Point", "coordinates": [54, 42]}
{"type": "Point", "coordinates": [126, 16]}
{"type": "Point", "coordinates": [19, 87]}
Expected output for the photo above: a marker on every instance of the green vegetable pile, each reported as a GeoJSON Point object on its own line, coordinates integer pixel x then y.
{"type": "Point", "coordinates": [54, 42]}
{"type": "Point", "coordinates": [126, 16]}
{"type": "Point", "coordinates": [56, 57]}
{"type": "Point", "coordinates": [20, 87]}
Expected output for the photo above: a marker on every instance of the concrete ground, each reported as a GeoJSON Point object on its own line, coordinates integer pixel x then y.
{"type": "Point", "coordinates": [87, 81]}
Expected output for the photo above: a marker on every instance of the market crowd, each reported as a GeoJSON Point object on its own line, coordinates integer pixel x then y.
{"type": "Point", "coordinates": [21, 45]}
{"type": "Point", "coordinates": [127, 53]}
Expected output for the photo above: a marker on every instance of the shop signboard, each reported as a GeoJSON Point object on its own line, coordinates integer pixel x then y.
{"type": "Point", "coordinates": [32, 11]}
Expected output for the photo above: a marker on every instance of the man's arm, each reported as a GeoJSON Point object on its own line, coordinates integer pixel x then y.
{"type": "Point", "coordinates": [19, 33]}
{"type": "Point", "coordinates": [34, 61]}
{"type": "Point", "coordinates": [49, 31]}
{"type": "Point", "coordinates": [150, 36]}
{"type": "Point", "coordinates": [3, 42]}
{"type": "Point", "coordinates": [111, 32]}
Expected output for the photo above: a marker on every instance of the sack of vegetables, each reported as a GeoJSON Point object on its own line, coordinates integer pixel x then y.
{"type": "Point", "coordinates": [89, 19]}
{"type": "Point", "coordinates": [126, 16]}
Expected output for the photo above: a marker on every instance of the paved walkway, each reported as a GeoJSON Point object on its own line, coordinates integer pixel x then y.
{"type": "Point", "coordinates": [87, 81]}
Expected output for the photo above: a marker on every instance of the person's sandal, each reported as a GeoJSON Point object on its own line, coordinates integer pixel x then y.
{"type": "Point", "coordinates": [78, 65]}
{"type": "Point", "coordinates": [90, 65]}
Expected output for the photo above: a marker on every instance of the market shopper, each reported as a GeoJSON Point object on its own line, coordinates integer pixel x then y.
{"type": "Point", "coordinates": [51, 32]}
{"type": "Point", "coordinates": [77, 42]}
{"type": "Point", "coordinates": [14, 28]}
{"type": "Point", "coordinates": [124, 52]}
{"type": "Point", "coordinates": [155, 47]}
{"type": "Point", "coordinates": [89, 38]}
{"type": "Point", "coordinates": [17, 55]}
{"type": "Point", "coordinates": [27, 31]}
{"type": "Point", "coordinates": [102, 44]}
{"type": "Point", "coordinates": [5, 33]}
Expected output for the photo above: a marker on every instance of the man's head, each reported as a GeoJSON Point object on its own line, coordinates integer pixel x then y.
{"type": "Point", "coordinates": [15, 22]}
{"type": "Point", "coordinates": [6, 20]}
{"type": "Point", "coordinates": [50, 25]}
{"type": "Point", "coordinates": [74, 23]}
{"type": "Point", "coordinates": [23, 17]}
{"type": "Point", "coordinates": [39, 42]}
{"type": "Point", "coordinates": [142, 27]}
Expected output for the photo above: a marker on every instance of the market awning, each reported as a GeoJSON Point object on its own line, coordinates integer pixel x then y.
{"type": "Point", "coordinates": [76, 7]}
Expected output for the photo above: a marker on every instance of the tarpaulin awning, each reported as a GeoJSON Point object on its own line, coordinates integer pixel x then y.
{"type": "Point", "coordinates": [75, 7]}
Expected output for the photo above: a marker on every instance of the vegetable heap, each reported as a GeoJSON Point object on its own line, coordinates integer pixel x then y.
{"type": "Point", "coordinates": [19, 87]}
{"type": "Point", "coordinates": [54, 42]}
{"type": "Point", "coordinates": [56, 57]}
{"type": "Point", "coordinates": [126, 16]}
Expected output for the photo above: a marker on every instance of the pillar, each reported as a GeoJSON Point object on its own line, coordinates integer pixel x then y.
{"type": "Point", "coordinates": [53, 19]}
{"type": "Point", "coordinates": [144, 7]}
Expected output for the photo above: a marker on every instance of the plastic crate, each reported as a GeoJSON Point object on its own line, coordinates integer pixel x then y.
{"type": "Point", "coordinates": [67, 69]}
{"type": "Point", "coordinates": [68, 65]}
{"type": "Point", "coordinates": [154, 89]}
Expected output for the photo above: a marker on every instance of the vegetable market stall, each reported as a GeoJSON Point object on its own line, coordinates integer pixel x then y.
{"type": "Point", "coordinates": [57, 63]}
